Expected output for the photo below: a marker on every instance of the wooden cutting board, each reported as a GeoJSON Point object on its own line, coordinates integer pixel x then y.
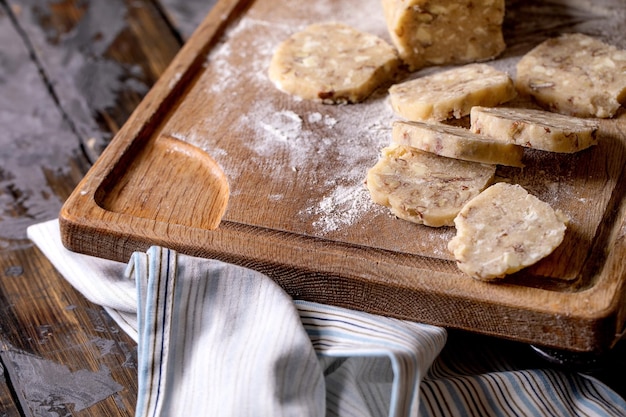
{"type": "Point", "coordinates": [216, 162]}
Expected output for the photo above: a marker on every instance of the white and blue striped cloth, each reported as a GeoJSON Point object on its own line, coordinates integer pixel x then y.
{"type": "Point", "coordinates": [216, 339]}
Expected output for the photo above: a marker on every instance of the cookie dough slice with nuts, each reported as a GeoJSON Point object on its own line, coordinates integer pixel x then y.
{"type": "Point", "coordinates": [503, 230]}
{"type": "Point", "coordinates": [452, 93]}
{"type": "Point", "coordinates": [425, 188]}
{"type": "Point", "coordinates": [535, 128]}
{"type": "Point", "coordinates": [456, 142]}
{"type": "Point", "coordinates": [332, 63]}
{"type": "Point", "coordinates": [574, 74]}
{"type": "Point", "coordinates": [436, 32]}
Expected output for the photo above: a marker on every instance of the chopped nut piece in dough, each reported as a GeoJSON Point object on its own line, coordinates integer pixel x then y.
{"type": "Point", "coordinates": [535, 128]}
{"type": "Point", "coordinates": [424, 188]}
{"type": "Point", "coordinates": [503, 230]}
{"type": "Point", "coordinates": [574, 74]}
{"type": "Point", "coordinates": [332, 63]}
{"type": "Point", "coordinates": [451, 93]}
{"type": "Point", "coordinates": [456, 142]}
{"type": "Point", "coordinates": [437, 32]}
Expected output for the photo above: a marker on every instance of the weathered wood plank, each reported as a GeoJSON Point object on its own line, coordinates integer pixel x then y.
{"type": "Point", "coordinates": [61, 352]}
{"type": "Point", "coordinates": [40, 156]}
{"type": "Point", "coordinates": [100, 58]}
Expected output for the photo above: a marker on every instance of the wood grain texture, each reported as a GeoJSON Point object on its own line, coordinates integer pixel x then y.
{"type": "Point", "coordinates": [52, 337]}
{"type": "Point", "coordinates": [206, 190]}
{"type": "Point", "coordinates": [298, 210]}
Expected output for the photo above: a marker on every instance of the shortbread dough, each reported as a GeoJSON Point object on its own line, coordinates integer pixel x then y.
{"type": "Point", "coordinates": [437, 32]}
{"type": "Point", "coordinates": [424, 188]}
{"type": "Point", "coordinates": [535, 128]}
{"type": "Point", "coordinates": [456, 142]}
{"type": "Point", "coordinates": [332, 63]}
{"type": "Point", "coordinates": [574, 74]}
{"type": "Point", "coordinates": [503, 230]}
{"type": "Point", "coordinates": [452, 93]}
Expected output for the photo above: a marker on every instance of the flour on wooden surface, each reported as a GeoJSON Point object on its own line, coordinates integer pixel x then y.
{"type": "Point", "coordinates": [282, 125]}
{"type": "Point", "coordinates": [353, 141]}
{"type": "Point", "coordinates": [342, 207]}
{"type": "Point", "coordinates": [254, 50]}
{"type": "Point", "coordinates": [289, 136]}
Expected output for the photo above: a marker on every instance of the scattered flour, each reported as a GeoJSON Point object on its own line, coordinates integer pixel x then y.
{"type": "Point", "coordinates": [342, 207]}
{"type": "Point", "coordinates": [326, 149]}
{"type": "Point", "coordinates": [283, 125]}
{"type": "Point", "coordinates": [329, 121]}
{"type": "Point", "coordinates": [315, 117]}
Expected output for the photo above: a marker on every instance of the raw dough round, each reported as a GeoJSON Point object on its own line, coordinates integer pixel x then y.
{"type": "Point", "coordinates": [332, 63]}
{"type": "Point", "coordinates": [425, 188]}
{"type": "Point", "coordinates": [503, 230]}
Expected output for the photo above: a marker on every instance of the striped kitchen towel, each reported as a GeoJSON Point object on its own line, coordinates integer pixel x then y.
{"type": "Point", "coordinates": [216, 339]}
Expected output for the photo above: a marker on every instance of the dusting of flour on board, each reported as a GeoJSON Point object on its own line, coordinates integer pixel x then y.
{"type": "Point", "coordinates": [342, 207]}
{"type": "Point", "coordinates": [288, 132]}
{"type": "Point", "coordinates": [289, 140]}
{"type": "Point", "coordinates": [353, 138]}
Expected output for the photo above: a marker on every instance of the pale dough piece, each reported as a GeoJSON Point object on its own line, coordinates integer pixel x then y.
{"type": "Point", "coordinates": [503, 230]}
{"type": "Point", "coordinates": [574, 74]}
{"type": "Point", "coordinates": [332, 63]}
{"type": "Point", "coordinates": [535, 128]}
{"type": "Point", "coordinates": [456, 142]}
{"type": "Point", "coordinates": [424, 188]}
{"type": "Point", "coordinates": [451, 93]}
{"type": "Point", "coordinates": [436, 32]}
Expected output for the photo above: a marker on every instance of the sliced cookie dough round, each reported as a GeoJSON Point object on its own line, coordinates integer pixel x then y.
{"type": "Point", "coordinates": [332, 63]}
{"type": "Point", "coordinates": [535, 129]}
{"type": "Point", "coordinates": [451, 93]}
{"type": "Point", "coordinates": [574, 74]}
{"type": "Point", "coordinates": [456, 142]}
{"type": "Point", "coordinates": [503, 230]}
{"type": "Point", "coordinates": [425, 188]}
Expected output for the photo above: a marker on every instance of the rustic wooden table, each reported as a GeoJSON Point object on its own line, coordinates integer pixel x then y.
{"type": "Point", "coordinates": [71, 72]}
